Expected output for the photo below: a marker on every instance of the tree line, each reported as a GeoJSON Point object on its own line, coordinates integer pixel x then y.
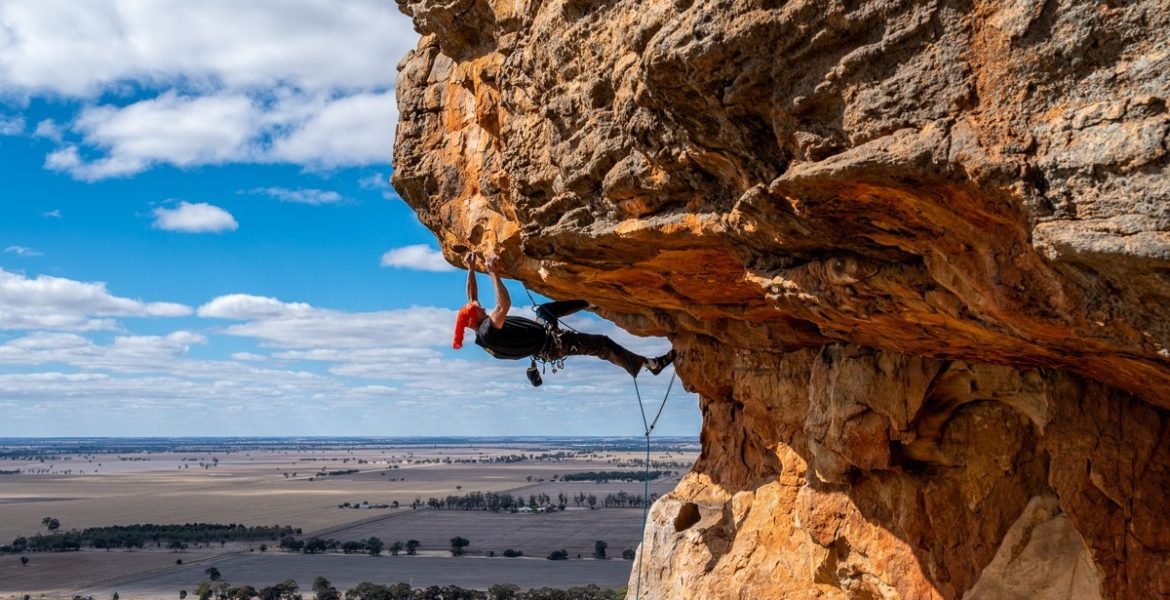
{"type": "Point", "coordinates": [504, 501]}
{"type": "Point", "coordinates": [137, 536]}
{"type": "Point", "coordinates": [218, 589]}
{"type": "Point", "coordinates": [605, 476]}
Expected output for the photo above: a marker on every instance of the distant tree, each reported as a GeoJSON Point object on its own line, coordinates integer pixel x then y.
{"type": "Point", "coordinates": [176, 545]}
{"type": "Point", "coordinates": [178, 561]}
{"type": "Point", "coordinates": [51, 523]}
{"type": "Point", "coordinates": [395, 548]}
{"type": "Point", "coordinates": [315, 545]}
{"type": "Point", "coordinates": [458, 544]}
{"type": "Point", "coordinates": [243, 592]}
{"type": "Point", "coordinates": [325, 590]}
{"type": "Point", "coordinates": [372, 591]}
{"type": "Point", "coordinates": [285, 590]}
{"type": "Point", "coordinates": [558, 555]}
{"type": "Point", "coordinates": [504, 591]}
{"type": "Point", "coordinates": [264, 547]}
{"type": "Point", "coordinates": [628, 554]}
{"type": "Point", "coordinates": [510, 553]}
{"type": "Point", "coordinates": [203, 591]}
{"type": "Point", "coordinates": [115, 596]}
{"type": "Point", "coordinates": [374, 546]}
{"type": "Point", "coordinates": [212, 573]}
{"type": "Point", "coordinates": [412, 547]}
{"type": "Point", "coordinates": [182, 594]}
{"type": "Point", "coordinates": [23, 560]}
{"type": "Point", "coordinates": [592, 501]}
{"type": "Point", "coordinates": [291, 544]}
{"type": "Point", "coordinates": [599, 549]}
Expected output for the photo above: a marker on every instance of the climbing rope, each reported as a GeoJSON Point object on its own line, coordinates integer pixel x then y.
{"type": "Point", "coordinates": [649, 427]}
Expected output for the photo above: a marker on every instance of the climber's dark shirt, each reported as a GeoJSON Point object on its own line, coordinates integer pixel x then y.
{"type": "Point", "coordinates": [518, 338]}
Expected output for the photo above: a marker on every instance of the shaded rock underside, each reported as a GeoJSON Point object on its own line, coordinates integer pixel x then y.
{"type": "Point", "coordinates": [915, 257]}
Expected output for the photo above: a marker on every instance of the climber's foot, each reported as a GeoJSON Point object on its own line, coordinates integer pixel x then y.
{"type": "Point", "coordinates": [656, 365]}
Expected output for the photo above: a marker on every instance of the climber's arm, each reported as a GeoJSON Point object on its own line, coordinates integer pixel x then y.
{"type": "Point", "coordinates": [503, 300]}
{"type": "Point", "coordinates": [472, 289]}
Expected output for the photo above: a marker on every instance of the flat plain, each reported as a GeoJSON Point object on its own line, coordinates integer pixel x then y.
{"type": "Point", "coordinates": [285, 486]}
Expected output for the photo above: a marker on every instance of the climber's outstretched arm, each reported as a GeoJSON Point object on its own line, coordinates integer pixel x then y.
{"type": "Point", "coordinates": [472, 289]}
{"type": "Point", "coordinates": [503, 300]}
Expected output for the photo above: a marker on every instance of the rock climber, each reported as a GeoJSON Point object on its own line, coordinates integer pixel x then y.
{"type": "Point", "coordinates": [512, 337]}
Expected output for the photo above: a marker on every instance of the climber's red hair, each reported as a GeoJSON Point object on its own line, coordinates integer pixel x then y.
{"type": "Point", "coordinates": [469, 316]}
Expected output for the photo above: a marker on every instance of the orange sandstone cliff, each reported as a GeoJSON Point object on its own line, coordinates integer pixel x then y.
{"type": "Point", "coordinates": [914, 255]}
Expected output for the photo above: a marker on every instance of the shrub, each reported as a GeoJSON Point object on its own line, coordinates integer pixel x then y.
{"type": "Point", "coordinates": [558, 555]}
{"type": "Point", "coordinates": [510, 553]}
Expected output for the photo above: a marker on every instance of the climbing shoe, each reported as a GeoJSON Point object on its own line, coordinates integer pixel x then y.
{"type": "Point", "coordinates": [656, 365]}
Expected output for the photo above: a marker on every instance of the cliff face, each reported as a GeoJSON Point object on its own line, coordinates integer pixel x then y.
{"type": "Point", "coordinates": [915, 256]}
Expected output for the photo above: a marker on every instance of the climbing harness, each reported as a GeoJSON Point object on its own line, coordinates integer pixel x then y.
{"type": "Point", "coordinates": [649, 427]}
{"type": "Point", "coordinates": [553, 353]}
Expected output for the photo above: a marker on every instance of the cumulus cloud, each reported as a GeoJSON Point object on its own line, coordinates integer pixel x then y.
{"type": "Point", "coordinates": [195, 218]}
{"type": "Point", "coordinates": [243, 307]}
{"type": "Point", "coordinates": [305, 196]}
{"type": "Point", "coordinates": [381, 183]}
{"type": "Point", "coordinates": [56, 303]}
{"type": "Point", "coordinates": [23, 251]}
{"type": "Point", "coordinates": [183, 131]}
{"type": "Point", "coordinates": [299, 325]}
{"type": "Point", "coordinates": [355, 130]}
{"type": "Point", "coordinates": [305, 82]}
{"type": "Point", "coordinates": [79, 49]}
{"type": "Point", "coordinates": [49, 130]}
{"type": "Point", "coordinates": [248, 356]}
{"type": "Point", "coordinates": [319, 131]}
{"type": "Point", "coordinates": [11, 125]}
{"type": "Point", "coordinates": [419, 257]}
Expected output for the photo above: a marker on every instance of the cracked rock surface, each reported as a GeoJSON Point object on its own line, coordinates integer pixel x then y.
{"type": "Point", "coordinates": [914, 255]}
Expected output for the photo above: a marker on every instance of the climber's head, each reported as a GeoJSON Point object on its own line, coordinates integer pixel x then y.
{"type": "Point", "coordinates": [471, 315]}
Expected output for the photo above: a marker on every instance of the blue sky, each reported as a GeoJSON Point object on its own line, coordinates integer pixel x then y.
{"type": "Point", "coordinates": [198, 237]}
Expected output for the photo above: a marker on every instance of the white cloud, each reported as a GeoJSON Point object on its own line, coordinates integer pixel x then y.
{"type": "Point", "coordinates": [420, 257]}
{"type": "Point", "coordinates": [305, 196]}
{"type": "Point", "coordinates": [64, 159]}
{"type": "Point", "coordinates": [195, 218]}
{"type": "Point", "coordinates": [78, 49]}
{"type": "Point", "coordinates": [243, 307]}
{"type": "Point", "coordinates": [380, 182]}
{"type": "Point", "coordinates": [306, 82]}
{"type": "Point", "coordinates": [23, 251]}
{"type": "Point", "coordinates": [248, 356]}
{"type": "Point", "coordinates": [52, 214]}
{"type": "Point", "coordinates": [182, 131]}
{"type": "Point", "coordinates": [299, 325]}
{"type": "Point", "coordinates": [355, 130]}
{"type": "Point", "coordinates": [49, 129]}
{"type": "Point", "coordinates": [56, 303]}
{"type": "Point", "coordinates": [11, 125]}
{"type": "Point", "coordinates": [318, 131]}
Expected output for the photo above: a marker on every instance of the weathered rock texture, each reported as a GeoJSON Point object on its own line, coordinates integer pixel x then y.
{"type": "Point", "coordinates": [915, 256]}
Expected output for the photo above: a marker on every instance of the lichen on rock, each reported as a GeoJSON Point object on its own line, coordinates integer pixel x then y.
{"type": "Point", "coordinates": [914, 255]}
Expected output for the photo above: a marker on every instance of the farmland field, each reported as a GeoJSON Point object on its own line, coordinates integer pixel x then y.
{"type": "Point", "coordinates": [312, 485]}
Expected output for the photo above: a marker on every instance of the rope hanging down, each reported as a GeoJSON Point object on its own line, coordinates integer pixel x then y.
{"type": "Point", "coordinates": [649, 427]}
